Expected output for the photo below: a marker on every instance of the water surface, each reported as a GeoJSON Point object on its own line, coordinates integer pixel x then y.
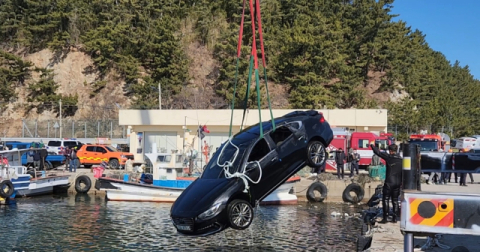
{"type": "Point", "coordinates": [89, 223]}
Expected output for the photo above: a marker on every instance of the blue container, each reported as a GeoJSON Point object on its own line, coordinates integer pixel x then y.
{"type": "Point", "coordinates": [125, 177]}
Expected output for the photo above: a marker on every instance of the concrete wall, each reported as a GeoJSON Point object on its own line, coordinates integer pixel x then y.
{"type": "Point", "coordinates": [218, 121]}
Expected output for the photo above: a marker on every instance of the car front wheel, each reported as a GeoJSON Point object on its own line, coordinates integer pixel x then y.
{"type": "Point", "coordinates": [240, 214]}
{"type": "Point", "coordinates": [316, 154]}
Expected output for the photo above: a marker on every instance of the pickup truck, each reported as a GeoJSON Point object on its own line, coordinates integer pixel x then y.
{"type": "Point", "coordinates": [51, 161]}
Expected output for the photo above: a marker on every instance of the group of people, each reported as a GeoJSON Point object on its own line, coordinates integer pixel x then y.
{"type": "Point", "coordinates": [38, 157]}
{"type": "Point", "coordinates": [351, 160]}
{"type": "Point", "coordinates": [71, 159]}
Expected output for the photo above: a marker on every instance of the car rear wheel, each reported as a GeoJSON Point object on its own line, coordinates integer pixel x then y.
{"type": "Point", "coordinates": [240, 214]}
{"type": "Point", "coordinates": [114, 163]}
{"type": "Point", "coordinates": [316, 154]}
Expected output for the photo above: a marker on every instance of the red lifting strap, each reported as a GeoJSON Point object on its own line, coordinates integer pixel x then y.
{"type": "Point", "coordinates": [240, 33]}
{"type": "Point", "coordinates": [259, 20]}
{"type": "Point", "coordinates": [254, 46]}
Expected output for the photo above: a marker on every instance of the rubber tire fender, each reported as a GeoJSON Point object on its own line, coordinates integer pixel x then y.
{"type": "Point", "coordinates": [9, 185]}
{"type": "Point", "coordinates": [85, 180]}
{"type": "Point", "coordinates": [321, 188]}
{"type": "Point", "coordinates": [357, 189]}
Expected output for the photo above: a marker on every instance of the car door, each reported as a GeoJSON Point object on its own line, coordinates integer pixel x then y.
{"type": "Point", "coordinates": [101, 155]}
{"type": "Point", "coordinates": [290, 144]}
{"type": "Point", "coordinates": [87, 156]}
{"type": "Point", "coordinates": [267, 158]}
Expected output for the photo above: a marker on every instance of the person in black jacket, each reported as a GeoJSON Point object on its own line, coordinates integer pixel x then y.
{"type": "Point", "coordinates": [340, 160]}
{"type": "Point", "coordinates": [393, 180]}
{"type": "Point", "coordinates": [43, 156]}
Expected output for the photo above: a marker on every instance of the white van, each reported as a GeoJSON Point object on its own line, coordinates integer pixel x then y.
{"type": "Point", "coordinates": [54, 145]}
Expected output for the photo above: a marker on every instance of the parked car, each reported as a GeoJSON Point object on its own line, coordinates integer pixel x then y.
{"type": "Point", "coordinates": [54, 145]}
{"type": "Point", "coordinates": [94, 154]}
{"type": "Point", "coordinates": [214, 202]}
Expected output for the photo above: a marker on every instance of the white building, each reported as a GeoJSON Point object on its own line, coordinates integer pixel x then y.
{"type": "Point", "coordinates": [176, 129]}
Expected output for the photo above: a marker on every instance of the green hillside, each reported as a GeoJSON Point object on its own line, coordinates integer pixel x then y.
{"type": "Point", "coordinates": [325, 52]}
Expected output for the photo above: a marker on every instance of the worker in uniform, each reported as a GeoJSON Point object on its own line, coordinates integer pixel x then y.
{"type": "Point", "coordinates": [393, 180]}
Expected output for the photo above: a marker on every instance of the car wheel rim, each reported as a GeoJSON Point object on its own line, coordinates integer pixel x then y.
{"type": "Point", "coordinates": [241, 215]}
{"type": "Point", "coordinates": [317, 153]}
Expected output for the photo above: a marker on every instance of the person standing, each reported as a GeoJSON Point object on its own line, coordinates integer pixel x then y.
{"type": "Point", "coordinates": [43, 156]}
{"type": "Point", "coordinates": [68, 153]}
{"type": "Point", "coordinates": [393, 180]}
{"type": "Point", "coordinates": [73, 161]}
{"type": "Point", "coordinates": [340, 160]}
{"type": "Point", "coordinates": [36, 159]}
{"type": "Point", "coordinates": [354, 165]}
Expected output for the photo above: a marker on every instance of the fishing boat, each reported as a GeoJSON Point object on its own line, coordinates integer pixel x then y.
{"type": "Point", "coordinates": [30, 182]}
{"type": "Point", "coordinates": [170, 179]}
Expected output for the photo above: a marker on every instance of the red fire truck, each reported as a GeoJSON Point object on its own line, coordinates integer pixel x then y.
{"type": "Point", "coordinates": [356, 140]}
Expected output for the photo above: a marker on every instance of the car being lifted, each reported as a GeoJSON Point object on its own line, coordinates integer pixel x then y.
{"type": "Point", "coordinates": [247, 168]}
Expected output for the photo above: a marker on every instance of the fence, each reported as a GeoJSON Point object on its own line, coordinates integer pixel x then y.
{"type": "Point", "coordinates": [72, 129]}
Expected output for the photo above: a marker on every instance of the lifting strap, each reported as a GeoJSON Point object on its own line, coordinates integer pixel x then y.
{"type": "Point", "coordinates": [239, 51]}
{"type": "Point", "coordinates": [253, 64]}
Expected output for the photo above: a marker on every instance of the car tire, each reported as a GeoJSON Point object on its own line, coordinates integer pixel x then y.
{"type": "Point", "coordinates": [357, 189]}
{"type": "Point", "coordinates": [319, 187]}
{"type": "Point", "coordinates": [240, 214]}
{"type": "Point", "coordinates": [114, 163]}
{"type": "Point", "coordinates": [6, 189]}
{"type": "Point", "coordinates": [316, 154]}
{"type": "Point", "coordinates": [83, 179]}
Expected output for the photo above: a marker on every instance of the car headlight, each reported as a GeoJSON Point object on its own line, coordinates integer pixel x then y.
{"type": "Point", "coordinates": [212, 211]}
{"type": "Point", "coordinates": [123, 156]}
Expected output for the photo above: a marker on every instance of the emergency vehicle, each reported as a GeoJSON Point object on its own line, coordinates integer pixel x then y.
{"type": "Point", "coordinates": [429, 142]}
{"type": "Point", "coordinates": [356, 140]}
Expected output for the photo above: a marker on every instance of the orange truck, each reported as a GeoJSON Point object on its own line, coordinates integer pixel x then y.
{"type": "Point", "coordinates": [94, 154]}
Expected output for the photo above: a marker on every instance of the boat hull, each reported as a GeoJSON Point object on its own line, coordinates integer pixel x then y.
{"type": "Point", "coordinates": [127, 191]}
{"type": "Point", "coordinates": [40, 186]}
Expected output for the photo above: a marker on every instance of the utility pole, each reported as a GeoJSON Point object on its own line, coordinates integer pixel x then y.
{"type": "Point", "coordinates": [159, 96]}
{"type": "Point", "coordinates": [60, 101]}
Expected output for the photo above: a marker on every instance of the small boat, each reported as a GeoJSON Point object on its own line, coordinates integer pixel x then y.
{"type": "Point", "coordinates": [29, 182]}
{"type": "Point", "coordinates": [172, 180]}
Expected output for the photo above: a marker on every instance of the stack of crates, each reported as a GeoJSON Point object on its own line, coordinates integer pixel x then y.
{"type": "Point", "coordinates": [377, 171]}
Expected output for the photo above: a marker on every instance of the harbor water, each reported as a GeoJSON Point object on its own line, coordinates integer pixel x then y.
{"type": "Point", "coordinates": [89, 223]}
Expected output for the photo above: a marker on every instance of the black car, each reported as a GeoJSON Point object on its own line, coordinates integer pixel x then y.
{"type": "Point", "coordinates": [222, 197]}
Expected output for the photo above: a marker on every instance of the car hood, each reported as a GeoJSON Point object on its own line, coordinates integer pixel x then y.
{"type": "Point", "coordinates": [201, 195]}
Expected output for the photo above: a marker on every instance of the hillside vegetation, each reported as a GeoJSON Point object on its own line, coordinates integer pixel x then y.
{"type": "Point", "coordinates": [320, 54]}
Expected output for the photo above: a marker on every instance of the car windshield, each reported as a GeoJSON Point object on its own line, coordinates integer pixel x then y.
{"type": "Point", "coordinates": [110, 148]}
{"type": "Point", "coordinates": [426, 145]}
{"type": "Point", "coordinates": [214, 171]}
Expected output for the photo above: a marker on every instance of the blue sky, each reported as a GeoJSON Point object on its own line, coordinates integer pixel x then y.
{"type": "Point", "coordinates": [451, 27]}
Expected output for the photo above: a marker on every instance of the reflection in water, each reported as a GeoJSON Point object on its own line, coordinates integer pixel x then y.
{"type": "Point", "coordinates": [88, 223]}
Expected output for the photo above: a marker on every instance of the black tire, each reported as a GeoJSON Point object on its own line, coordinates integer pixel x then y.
{"type": "Point", "coordinates": [6, 189]}
{"type": "Point", "coordinates": [114, 163]}
{"type": "Point", "coordinates": [319, 187]}
{"type": "Point", "coordinates": [316, 154]}
{"type": "Point", "coordinates": [240, 214]}
{"type": "Point", "coordinates": [85, 180]}
{"type": "Point", "coordinates": [88, 166]}
{"type": "Point", "coordinates": [48, 165]}
{"type": "Point", "coordinates": [363, 243]}
{"type": "Point", "coordinates": [357, 189]}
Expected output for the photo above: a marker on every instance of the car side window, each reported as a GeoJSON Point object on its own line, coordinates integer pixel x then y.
{"type": "Point", "coordinates": [101, 150]}
{"type": "Point", "coordinates": [280, 135]}
{"type": "Point", "coordinates": [91, 148]}
{"type": "Point", "coordinates": [260, 150]}
{"type": "Point", "coordinates": [363, 143]}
